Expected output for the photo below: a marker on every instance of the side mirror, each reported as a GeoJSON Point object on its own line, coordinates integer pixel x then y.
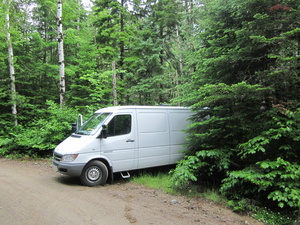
{"type": "Point", "coordinates": [103, 132]}
{"type": "Point", "coordinates": [74, 127]}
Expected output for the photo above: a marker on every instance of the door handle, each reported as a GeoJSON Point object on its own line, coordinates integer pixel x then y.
{"type": "Point", "coordinates": [130, 140]}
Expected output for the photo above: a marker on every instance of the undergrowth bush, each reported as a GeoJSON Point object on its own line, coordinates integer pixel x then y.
{"type": "Point", "coordinates": [40, 136]}
{"type": "Point", "coordinates": [249, 147]}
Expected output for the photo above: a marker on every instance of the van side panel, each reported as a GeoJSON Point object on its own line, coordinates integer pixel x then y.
{"type": "Point", "coordinates": [178, 120]}
{"type": "Point", "coordinates": [153, 129]}
{"type": "Point", "coordinates": [154, 138]}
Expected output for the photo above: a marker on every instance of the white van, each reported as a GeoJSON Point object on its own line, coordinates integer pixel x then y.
{"type": "Point", "coordinates": [123, 138]}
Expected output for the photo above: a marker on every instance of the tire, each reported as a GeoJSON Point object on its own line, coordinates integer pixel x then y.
{"type": "Point", "coordinates": [94, 173]}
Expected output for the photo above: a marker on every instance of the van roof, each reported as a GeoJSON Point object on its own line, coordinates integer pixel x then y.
{"type": "Point", "coordinates": [119, 108]}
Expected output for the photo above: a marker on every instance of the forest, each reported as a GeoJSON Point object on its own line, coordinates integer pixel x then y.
{"type": "Point", "coordinates": [239, 59]}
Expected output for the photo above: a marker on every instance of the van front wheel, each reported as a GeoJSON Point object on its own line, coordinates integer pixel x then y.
{"type": "Point", "coordinates": [94, 173]}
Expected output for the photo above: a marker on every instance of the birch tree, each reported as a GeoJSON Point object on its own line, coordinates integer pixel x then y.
{"type": "Point", "coordinates": [11, 63]}
{"type": "Point", "coordinates": [61, 52]}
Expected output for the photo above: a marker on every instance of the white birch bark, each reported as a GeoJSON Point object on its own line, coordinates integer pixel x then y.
{"type": "Point", "coordinates": [11, 65]}
{"type": "Point", "coordinates": [61, 52]}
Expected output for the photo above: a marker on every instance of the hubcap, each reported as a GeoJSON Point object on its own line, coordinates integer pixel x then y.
{"type": "Point", "coordinates": [94, 174]}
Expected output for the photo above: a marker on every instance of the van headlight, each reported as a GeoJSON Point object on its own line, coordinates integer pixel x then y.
{"type": "Point", "coordinates": [69, 157]}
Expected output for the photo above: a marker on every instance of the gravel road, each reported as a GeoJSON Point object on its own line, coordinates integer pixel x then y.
{"type": "Point", "coordinates": [32, 193]}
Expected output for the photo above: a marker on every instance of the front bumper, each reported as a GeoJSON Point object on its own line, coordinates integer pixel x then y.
{"type": "Point", "coordinates": [70, 169]}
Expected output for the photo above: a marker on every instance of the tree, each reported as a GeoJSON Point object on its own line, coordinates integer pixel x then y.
{"type": "Point", "coordinates": [11, 64]}
{"type": "Point", "coordinates": [112, 37]}
{"type": "Point", "coordinates": [247, 73]}
{"type": "Point", "coordinates": [150, 64]}
{"type": "Point", "coordinates": [61, 59]}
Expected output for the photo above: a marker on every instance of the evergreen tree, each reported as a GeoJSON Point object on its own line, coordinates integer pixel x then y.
{"type": "Point", "coordinates": [247, 73]}
{"type": "Point", "coordinates": [150, 65]}
{"type": "Point", "coordinates": [112, 38]}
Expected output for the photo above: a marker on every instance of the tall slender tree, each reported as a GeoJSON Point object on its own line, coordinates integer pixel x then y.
{"type": "Point", "coordinates": [61, 58]}
{"type": "Point", "coordinates": [11, 63]}
{"type": "Point", "coordinates": [114, 82]}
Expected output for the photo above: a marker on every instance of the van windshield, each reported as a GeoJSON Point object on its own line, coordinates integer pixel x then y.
{"type": "Point", "coordinates": [93, 124]}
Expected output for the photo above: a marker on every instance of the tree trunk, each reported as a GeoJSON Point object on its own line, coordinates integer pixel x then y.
{"type": "Point", "coordinates": [113, 65]}
{"type": "Point", "coordinates": [61, 53]}
{"type": "Point", "coordinates": [11, 67]}
{"type": "Point", "coordinates": [180, 72]}
{"type": "Point", "coordinates": [179, 51]}
{"type": "Point", "coordinates": [122, 47]}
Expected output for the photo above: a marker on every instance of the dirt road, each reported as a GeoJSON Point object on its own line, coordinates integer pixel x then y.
{"type": "Point", "coordinates": [32, 193]}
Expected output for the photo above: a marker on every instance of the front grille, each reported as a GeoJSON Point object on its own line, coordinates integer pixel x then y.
{"type": "Point", "coordinates": [57, 157]}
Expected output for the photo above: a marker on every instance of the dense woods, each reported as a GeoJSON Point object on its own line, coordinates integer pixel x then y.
{"type": "Point", "coordinates": [241, 59]}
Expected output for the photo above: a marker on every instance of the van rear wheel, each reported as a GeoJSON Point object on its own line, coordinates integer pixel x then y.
{"type": "Point", "coordinates": [94, 173]}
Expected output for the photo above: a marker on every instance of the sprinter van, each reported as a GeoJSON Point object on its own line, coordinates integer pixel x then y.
{"type": "Point", "coordinates": [121, 139]}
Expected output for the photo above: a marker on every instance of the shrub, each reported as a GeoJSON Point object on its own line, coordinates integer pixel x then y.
{"type": "Point", "coordinates": [42, 134]}
{"type": "Point", "coordinates": [249, 146]}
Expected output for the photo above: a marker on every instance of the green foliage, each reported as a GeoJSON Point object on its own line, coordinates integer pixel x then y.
{"type": "Point", "coordinates": [275, 176]}
{"type": "Point", "coordinates": [250, 144]}
{"type": "Point", "coordinates": [234, 110]}
{"type": "Point", "coordinates": [42, 134]}
{"type": "Point", "coordinates": [277, 181]}
{"type": "Point", "coordinates": [98, 87]}
{"type": "Point", "coordinates": [272, 217]}
{"type": "Point", "coordinates": [263, 214]}
{"type": "Point", "coordinates": [185, 171]}
{"type": "Point", "coordinates": [282, 138]}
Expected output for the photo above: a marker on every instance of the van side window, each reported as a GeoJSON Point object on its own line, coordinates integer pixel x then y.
{"type": "Point", "coordinates": [120, 124]}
